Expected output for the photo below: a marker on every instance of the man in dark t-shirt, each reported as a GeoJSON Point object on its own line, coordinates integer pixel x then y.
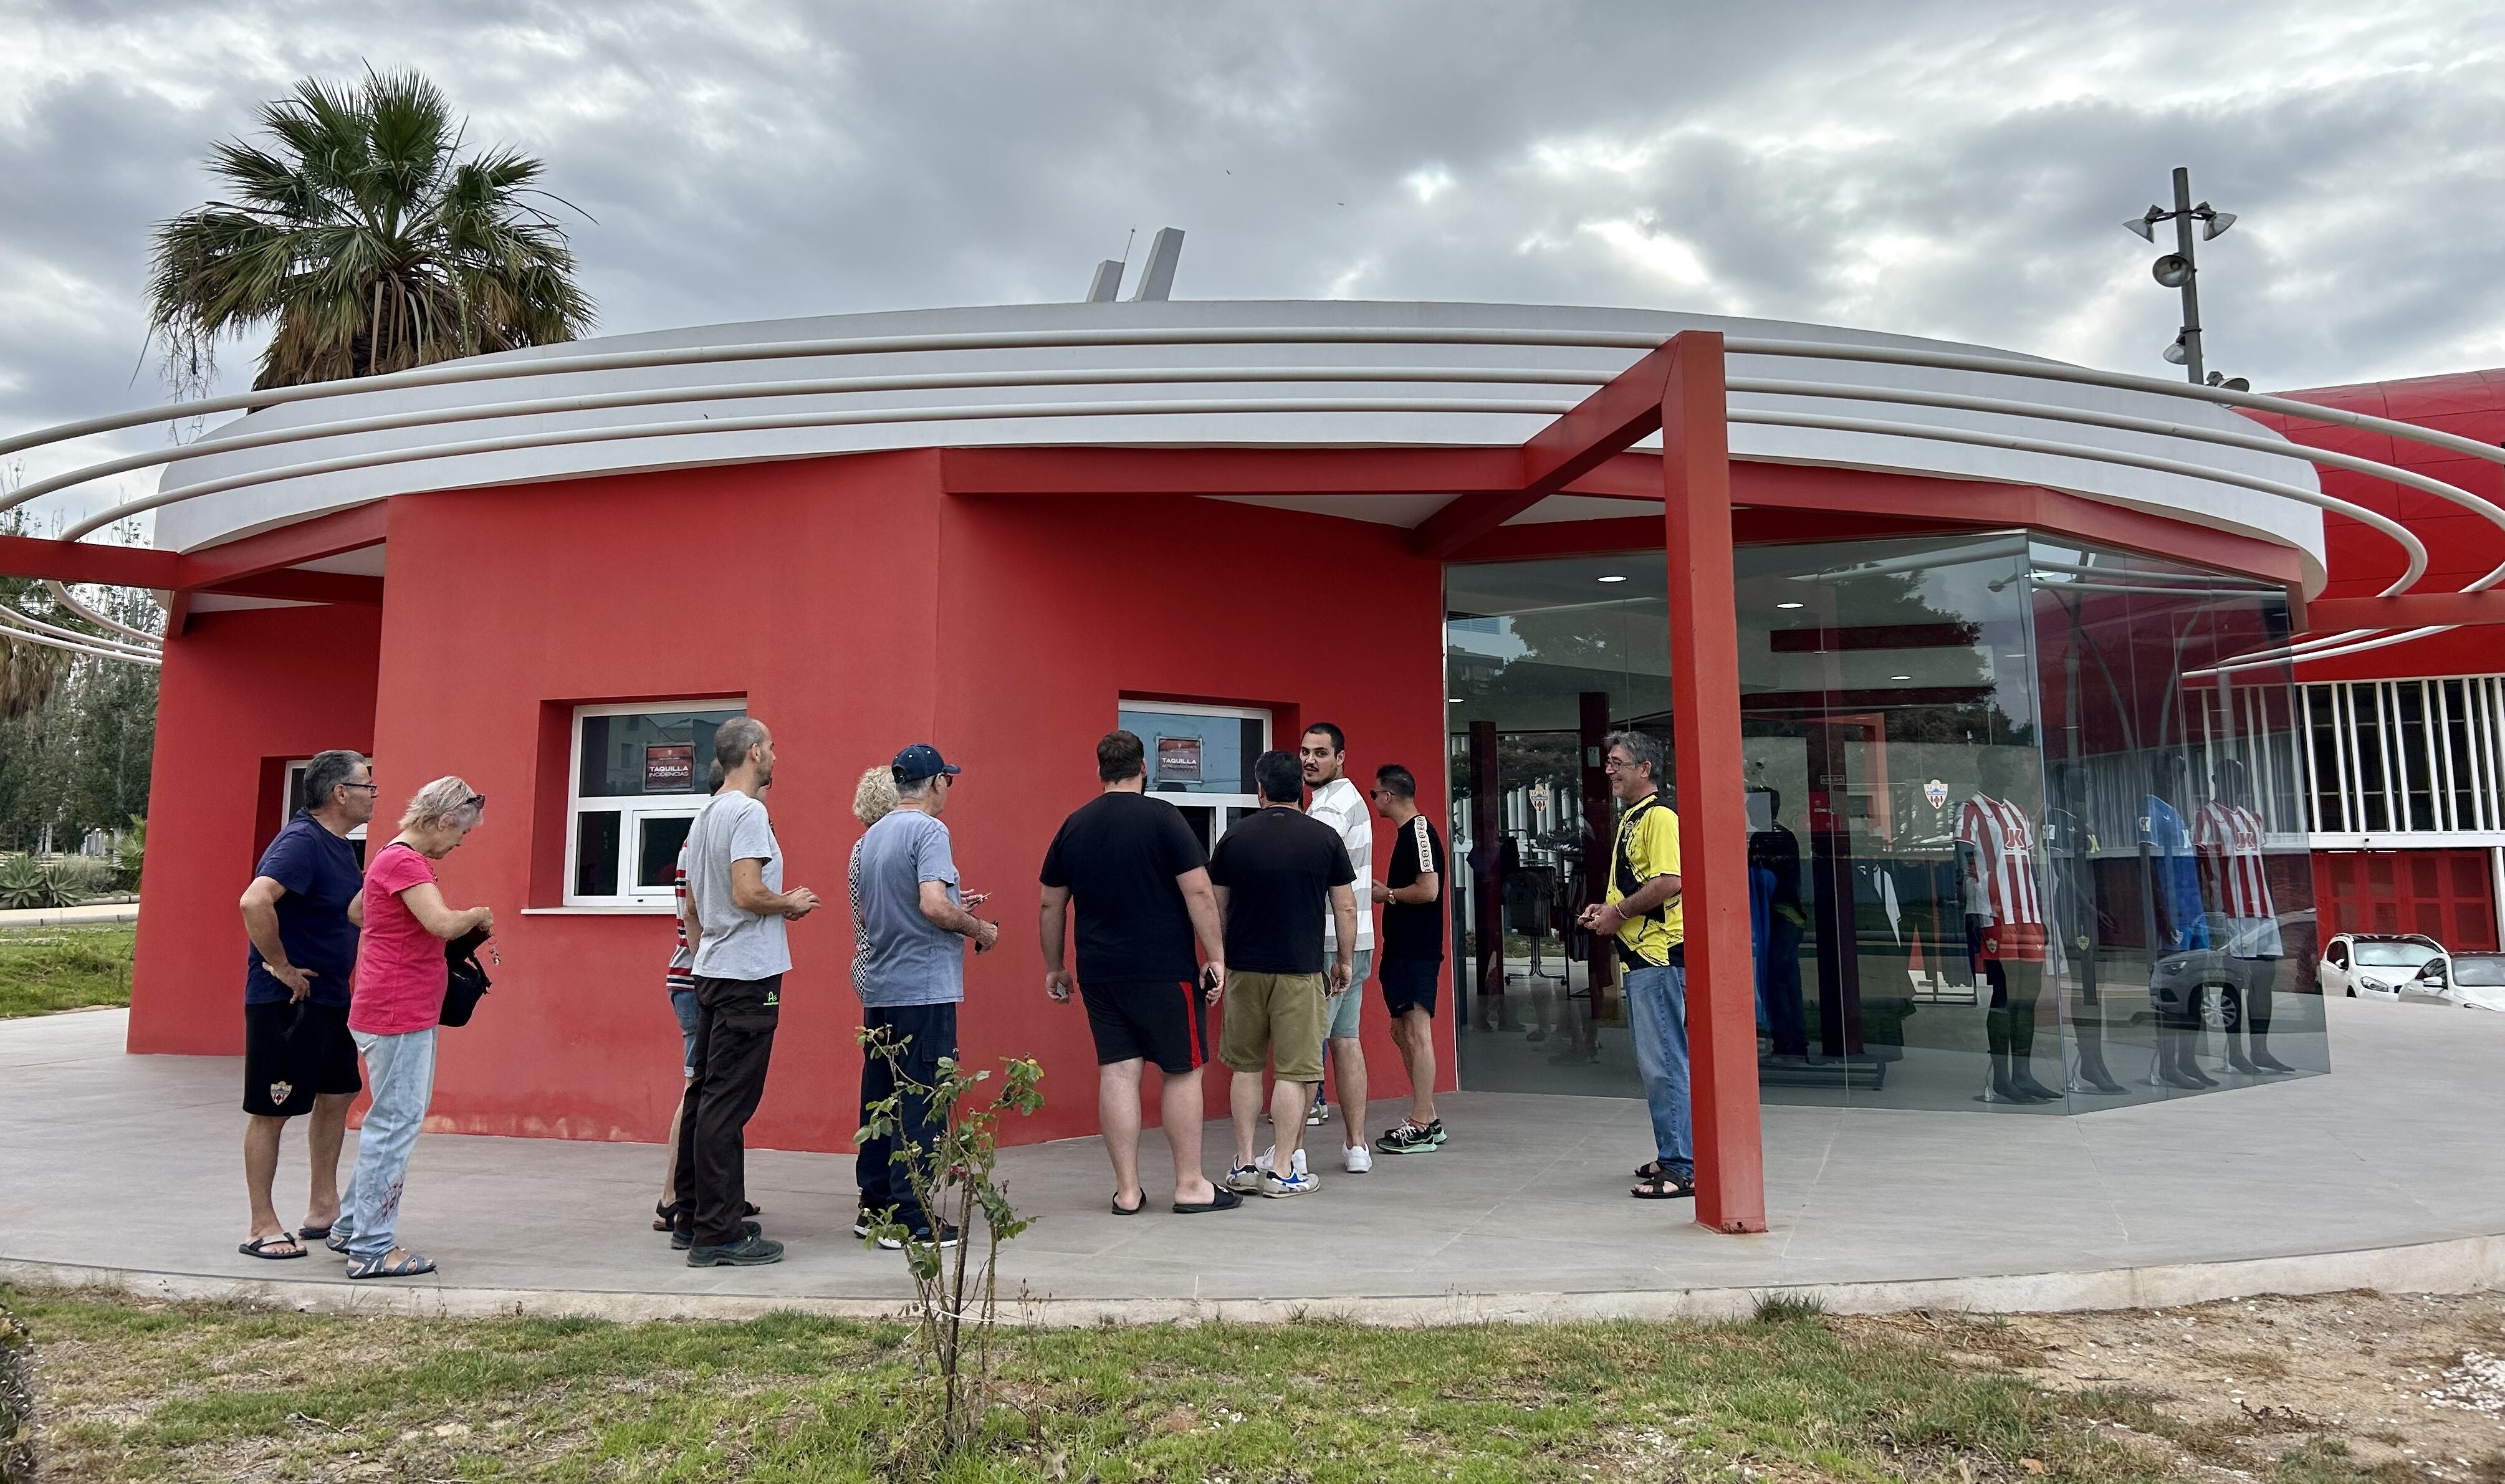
{"type": "Point", "coordinates": [1410, 964]}
{"type": "Point", "coordinates": [1275, 872]}
{"type": "Point", "coordinates": [300, 912]}
{"type": "Point", "coordinates": [1134, 871]}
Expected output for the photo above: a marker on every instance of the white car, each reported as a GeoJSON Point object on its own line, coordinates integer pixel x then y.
{"type": "Point", "coordinates": [2376, 965]}
{"type": "Point", "coordinates": [2477, 981]}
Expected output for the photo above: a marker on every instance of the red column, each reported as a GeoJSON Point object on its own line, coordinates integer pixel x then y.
{"type": "Point", "coordinates": [1712, 807]}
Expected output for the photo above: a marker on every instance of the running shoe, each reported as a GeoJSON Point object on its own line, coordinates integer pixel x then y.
{"type": "Point", "coordinates": [1280, 1186]}
{"type": "Point", "coordinates": [1320, 1113]}
{"type": "Point", "coordinates": [1245, 1179]}
{"type": "Point", "coordinates": [1435, 1130]}
{"type": "Point", "coordinates": [1356, 1160]}
{"type": "Point", "coordinates": [1266, 1160]}
{"type": "Point", "coordinates": [920, 1238]}
{"type": "Point", "coordinates": [1406, 1138]}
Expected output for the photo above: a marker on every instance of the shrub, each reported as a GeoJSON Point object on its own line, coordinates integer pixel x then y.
{"type": "Point", "coordinates": [26, 882]}
{"type": "Point", "coordinates": [16, 1403]}
{"type": "Point", "coordinates": [131, 854]}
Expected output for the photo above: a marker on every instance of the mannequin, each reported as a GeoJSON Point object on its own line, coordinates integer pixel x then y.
{"type": "Point", "coordinates": [2227, 835]}
{"type": "Point", "coordinates": [2069, 849]}
{"type": "Point", "coordinates": [2005, 919]}
{"type": "Point", "coordinates": [2182, 923]}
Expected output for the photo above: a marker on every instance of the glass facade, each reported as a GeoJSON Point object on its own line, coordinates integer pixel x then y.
{"type": "Point", "coordinates": [2013, 847]}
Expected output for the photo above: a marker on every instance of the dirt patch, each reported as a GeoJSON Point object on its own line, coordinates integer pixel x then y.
{"type": "Point", "coordinates": [2410, 1386]}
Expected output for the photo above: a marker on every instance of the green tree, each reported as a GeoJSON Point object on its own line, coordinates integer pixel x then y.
{"type": "Point", "coordinates": [366, 241]}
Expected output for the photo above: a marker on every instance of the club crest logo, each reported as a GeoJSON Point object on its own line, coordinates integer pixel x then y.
{"type": "Point", "coordinates": [278, 1091]}
{"type": "Point", "coordinates": [1936, 793]}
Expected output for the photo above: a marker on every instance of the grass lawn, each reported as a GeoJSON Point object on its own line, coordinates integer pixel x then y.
{"type": "Point", "coordinates": [146, 1390]}
{"type": "Point", "coordinates": [43, 969]}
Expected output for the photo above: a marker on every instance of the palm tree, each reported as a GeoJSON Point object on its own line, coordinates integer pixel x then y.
{"type": "Point", "coordinates": [367, 240]}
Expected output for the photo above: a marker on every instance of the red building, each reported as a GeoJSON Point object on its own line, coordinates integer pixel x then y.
{"type": "Point", "coordinates": [1871, 583]}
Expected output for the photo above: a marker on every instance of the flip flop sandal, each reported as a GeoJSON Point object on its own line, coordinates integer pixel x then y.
{"type": "Point", "coordinates": [313, 1233]}
{"type": "Point", "coordinates": [1664, 1188]}
{"type": "Point", "coordinates": [259, 1247]}
{"type": "Point", "coordinates": [1121, 1210]}
{"type": "Point", "coordinates": [1226, 1200]}
{"type": "Point", "coordinates": [409, 1266]}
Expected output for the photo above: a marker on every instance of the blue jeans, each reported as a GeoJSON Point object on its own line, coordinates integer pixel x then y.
{"type": "Point", "coordinates": [401, 1070]}
{"type": "Point", "coordinates": [1657, 1019]}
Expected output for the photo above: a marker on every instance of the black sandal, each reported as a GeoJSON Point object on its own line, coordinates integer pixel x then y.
{"type": "Point", "coordinates": [1224, 1200]}
{"type": "Point", "coordinates": [1121, 1210]}
{"type": "Point", "coordinates": [259, 1247]}
{"type": "Point", "coordinates": [1664, 1186]}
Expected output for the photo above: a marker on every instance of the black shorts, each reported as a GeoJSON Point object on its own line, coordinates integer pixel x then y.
{"type": "Point", "coordinates": [294, 1051]}
{"type": "Point", "coordinates": [1165, 1021]}
{"type": "Point", "coordinates": [1408, 983]}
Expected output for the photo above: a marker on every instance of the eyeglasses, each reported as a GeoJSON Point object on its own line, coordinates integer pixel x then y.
{"type": "Point", "coordinates": [368, 787]}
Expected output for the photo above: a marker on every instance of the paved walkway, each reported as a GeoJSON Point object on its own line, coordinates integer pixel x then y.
{"type": "Point", "coordinates": [54, 917]}
{"type": "Point", "coordinates": [2389, 1173]}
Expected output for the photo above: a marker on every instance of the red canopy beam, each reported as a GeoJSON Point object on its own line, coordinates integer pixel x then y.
{"type": "Point", "coordinates": [1712, 807]}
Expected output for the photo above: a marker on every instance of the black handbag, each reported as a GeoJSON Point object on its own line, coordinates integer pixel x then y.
{"type": "Point", "coordinates": [464, 981]}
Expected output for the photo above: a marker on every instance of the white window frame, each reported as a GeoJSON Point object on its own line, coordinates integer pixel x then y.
{"type": "Point", "coordinates": [1218, 804]}
{"type": "Point", "coordinates": [634, 810]}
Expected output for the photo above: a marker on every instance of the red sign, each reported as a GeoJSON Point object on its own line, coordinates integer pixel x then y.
{"type": "Point", "coordinates": [1177, 759]}
{"type": "Point", "coordinates": [670, 767]}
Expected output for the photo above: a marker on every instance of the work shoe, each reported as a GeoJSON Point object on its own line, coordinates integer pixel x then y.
{"type": "Point", "coordinates": [1356, 1160]}
{"type": "Point", "coordinates": [1245, 1180]}
{"type": "Point", "coordinates": [753, 1251]}
{"type": "Point", "coordinates": [1280, 1186]}
{"type": "Point", "coordinates": [684, 1240]}
{"type": "Point", "coordinates": [1267, 1161]}
{"type": "Point", "coordinates": [1406, 1138]}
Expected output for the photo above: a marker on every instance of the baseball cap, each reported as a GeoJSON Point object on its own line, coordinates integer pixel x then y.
{"type": "Point", "coordinates": [921, 761]}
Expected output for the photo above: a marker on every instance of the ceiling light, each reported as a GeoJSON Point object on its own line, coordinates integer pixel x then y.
{"type": "Point", "coordinates": [1612, 580]}
{"type": "Point", "coordinates": [1900, 677]}
{"type": "Point", "coordinates": [1452, 700]}
{"type": "Point", "coordinates": [1791, 605]}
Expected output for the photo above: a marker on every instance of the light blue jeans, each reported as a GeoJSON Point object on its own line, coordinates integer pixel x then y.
{"type": "Point", "coordinates": [401, 1070]}
{"type": "Point", "coordinates": [1657, 1019]}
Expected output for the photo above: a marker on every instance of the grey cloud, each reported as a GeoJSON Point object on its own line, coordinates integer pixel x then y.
{"type": "Point", "coordinates": [1951, 169]}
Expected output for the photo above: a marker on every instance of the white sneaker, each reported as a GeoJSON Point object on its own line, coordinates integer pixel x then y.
{"type": "Point", "coordinates": [1281, 1186]}
{"type": "Point", "coordinates": [1245, 1180]}
{"type": "Point", "coordinates": [1266, 1160]}
{"type": "Point", "coordinates": [1356, 1160]}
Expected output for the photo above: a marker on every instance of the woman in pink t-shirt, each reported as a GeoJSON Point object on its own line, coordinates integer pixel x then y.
{"type": "Point", "coordinates": [393, 1012]}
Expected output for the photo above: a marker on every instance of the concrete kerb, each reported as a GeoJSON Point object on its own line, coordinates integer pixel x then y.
{"type": "Point", "coordinates": [2459, 1265]}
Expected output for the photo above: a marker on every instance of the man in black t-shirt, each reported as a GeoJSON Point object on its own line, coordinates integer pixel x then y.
{"type": "Point", "coordinates": [1134, 870]}
{"type": "Point", "coordinates": [1410, 962]}
{"type": "Point", "coordinates": [1275, 870]}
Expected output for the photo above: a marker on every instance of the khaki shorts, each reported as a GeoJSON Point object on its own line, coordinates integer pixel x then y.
{"type": "Point", "coordinates": [1274, 1015]}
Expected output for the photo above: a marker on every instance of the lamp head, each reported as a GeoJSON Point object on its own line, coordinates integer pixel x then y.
{"type": "Point", "coordinates": [2214, 224]}
{"type": "Point", "coordinates": [2143, 226]}
{"type": "Point", "coordinates": [2175, 354]}
{"type": "Point", "coordinates": [2173, 270]}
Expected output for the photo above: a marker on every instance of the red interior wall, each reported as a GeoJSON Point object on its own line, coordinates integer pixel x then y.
{"type": "Point", "coordinates": [857, 608]}
{"type": "Point", "coordinates": [241, 692]}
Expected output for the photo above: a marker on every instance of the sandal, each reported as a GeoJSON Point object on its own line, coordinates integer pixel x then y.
{"type": "Point", "coordinates": [314, 1233]}
{"type": "Point", "coordinates": [1224, 1200]}
{"type": "Point", "coordinates": [1650, 1169]}
{"type": "Point", "coordinates": [1121, 1210]}
{"type": "Point", "coordinates": [1664, 1186]}
{"type": "Point", "coordinates": [409, 1266]}
{"type": "Point", "coordinates": [665, 1215]}
{"type": "Point", "coordinates": [260, 1247]}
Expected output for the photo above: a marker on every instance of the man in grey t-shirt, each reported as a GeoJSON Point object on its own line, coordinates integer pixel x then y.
{"type": "Point", "coordinates": [910, 916]}
{"type": "Point", "coordinates": [736, 909]}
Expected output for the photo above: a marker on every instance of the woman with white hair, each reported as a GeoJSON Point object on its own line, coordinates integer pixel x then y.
{"type": "Point", "coordinates": [392, 1013]}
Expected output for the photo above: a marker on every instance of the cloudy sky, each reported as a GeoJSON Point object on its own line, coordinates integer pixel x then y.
{"type": "Point", "coordinates": [1948, 169]}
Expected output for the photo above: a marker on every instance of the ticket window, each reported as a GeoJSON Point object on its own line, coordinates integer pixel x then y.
{"type": "Point", "coordinates": [1200, 759]}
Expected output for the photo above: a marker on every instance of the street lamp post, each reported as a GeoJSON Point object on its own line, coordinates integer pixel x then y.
{"type": "Point", "coordinates": [2181, 268]}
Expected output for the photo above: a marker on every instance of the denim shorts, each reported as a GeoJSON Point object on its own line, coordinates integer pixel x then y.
{"type": "Point", "coordinates": [682, 1003]}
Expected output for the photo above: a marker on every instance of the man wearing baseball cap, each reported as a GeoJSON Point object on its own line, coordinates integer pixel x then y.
{"type": "Point", "coordinates": [910, 922]}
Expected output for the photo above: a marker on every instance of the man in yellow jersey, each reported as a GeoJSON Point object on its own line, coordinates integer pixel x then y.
{"type": "Point", "coordinates": [1642, 912]}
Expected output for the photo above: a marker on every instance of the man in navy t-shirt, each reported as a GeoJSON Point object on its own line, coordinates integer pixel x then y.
{"type": "Point", "coordinates": [301, 912]}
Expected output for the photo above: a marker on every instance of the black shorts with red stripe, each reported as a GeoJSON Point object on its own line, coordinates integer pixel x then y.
{"type": "Point", "coordinates": [1160, 1020]}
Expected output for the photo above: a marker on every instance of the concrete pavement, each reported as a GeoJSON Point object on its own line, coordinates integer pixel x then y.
{"type": "Point", "coordinates": [2389, 1173]}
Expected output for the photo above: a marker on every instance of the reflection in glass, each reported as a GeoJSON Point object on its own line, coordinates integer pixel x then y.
{"type": "Point", "coordinates": [2015, 844]}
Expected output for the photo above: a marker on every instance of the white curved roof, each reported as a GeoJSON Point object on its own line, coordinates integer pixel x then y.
{"type": "Point", "coordinates": [1174, 389]}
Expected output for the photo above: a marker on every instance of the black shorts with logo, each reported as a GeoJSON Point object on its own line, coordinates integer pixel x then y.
{"type": "Point", "coordinates": [1165, 1021]}
{"type": "Point", "coordinates": [1408, 983]}
{"type": "Point", "coordinates": [293, 1052]}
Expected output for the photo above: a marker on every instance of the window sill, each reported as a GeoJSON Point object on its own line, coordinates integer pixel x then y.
{"type": "Point", "coordinates": [662, 909]}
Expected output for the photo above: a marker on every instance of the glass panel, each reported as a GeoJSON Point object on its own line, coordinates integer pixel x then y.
{"type": "Point", "coordinates": [1193, 752]}
{"type": "Point", "coordinates": [2184, 925]}
{"type": "Point", "coordinates": [2414, 752]}
{"type": "Point", "coordinates": [657, 838]}
{"type": "Point", "coordinates": [646, 753]}
{"type": "Point", "coordinates": [595, 851]}
{"type": "Point", "coordinates": [2365, 709]}
{"type": "Point", "coordinates": [2330, 800]}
